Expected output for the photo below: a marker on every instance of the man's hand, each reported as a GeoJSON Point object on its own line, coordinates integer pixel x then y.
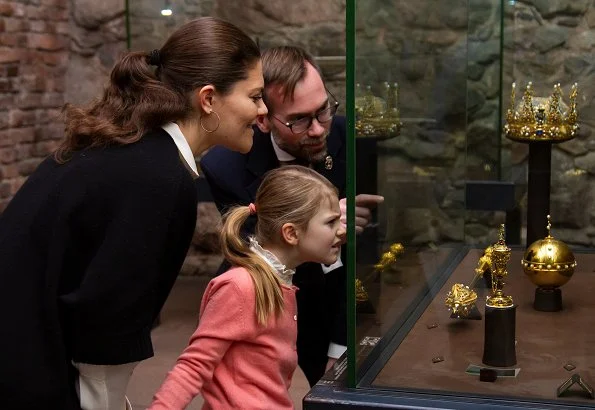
{"type": "Point", "coordinates": [363, 204]}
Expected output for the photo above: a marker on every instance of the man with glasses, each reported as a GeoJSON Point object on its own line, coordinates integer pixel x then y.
{"type": "Point", "coordinates": [300, 128]}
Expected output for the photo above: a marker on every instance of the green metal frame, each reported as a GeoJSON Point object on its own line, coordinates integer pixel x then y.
{"type": "Point", "coordinates": [350, 177]}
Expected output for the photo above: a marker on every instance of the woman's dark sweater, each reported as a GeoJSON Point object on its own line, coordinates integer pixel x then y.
{"type": "Point", "coordinates": [89, 251]}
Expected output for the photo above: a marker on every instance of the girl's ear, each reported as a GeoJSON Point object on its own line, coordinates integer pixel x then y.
{"type": "Point", "coordinates": [290, 234]}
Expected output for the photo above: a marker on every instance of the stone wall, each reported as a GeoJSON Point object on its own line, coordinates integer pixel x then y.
{"type": "Point", "coordinates": [447, 57]}
{"type": "Point", "coordinates": [317, 26]}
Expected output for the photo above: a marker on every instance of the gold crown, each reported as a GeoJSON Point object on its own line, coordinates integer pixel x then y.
{"type": "Point", "coordinates": [376, 117]}
{"type": "Point", "coordinates": [541, 119]}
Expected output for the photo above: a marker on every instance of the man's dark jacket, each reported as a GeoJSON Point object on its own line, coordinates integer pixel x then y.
{"type": "Point", "coordinates": [234, 179]}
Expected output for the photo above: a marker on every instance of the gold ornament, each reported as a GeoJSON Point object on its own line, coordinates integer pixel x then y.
{"type": "Point", "coordinates": [389, 257]}
{"type": "Point", "coordinates": [361, 295]}
{"type": "Point", "coordinates": [376, 117]}
{"type": "Point", "coordinates": [460, 300]}
{"type": "Point", "coordinates": [500, 257]}
{"type": "Point", "coordinates": [485, 262]}
{"type": "Point", "coordinates": [541, 119]}
{"type": "Point", "coordinates": [548, 263]}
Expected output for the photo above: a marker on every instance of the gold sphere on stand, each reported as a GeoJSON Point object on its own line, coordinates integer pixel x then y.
{"type": "Point", "coordinates": [549, 264]}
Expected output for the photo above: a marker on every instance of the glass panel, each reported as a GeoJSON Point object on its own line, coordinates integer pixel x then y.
{"type": "Point", "coordinates": [452, 177]}
{"type": "Point", "coordinates": [422, 46]}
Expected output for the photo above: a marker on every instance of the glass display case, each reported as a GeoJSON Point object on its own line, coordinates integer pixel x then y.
{"type": "Point", "coordinates": [471, 287]}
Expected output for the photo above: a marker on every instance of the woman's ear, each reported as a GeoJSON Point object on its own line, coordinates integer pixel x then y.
{"type": "Point", "coordinates": [290, 234]}
{"type": "Point", "coordinates": [204, 98]}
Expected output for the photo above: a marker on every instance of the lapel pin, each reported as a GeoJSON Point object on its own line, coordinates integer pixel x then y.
{"type": "Point", "coordinates": [328, 162]}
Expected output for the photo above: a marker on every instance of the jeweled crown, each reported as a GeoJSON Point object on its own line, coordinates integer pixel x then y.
{"type": "Point", "coordinates": [375, 116]}
{"type": "Point", "coordinates": [542, 119]}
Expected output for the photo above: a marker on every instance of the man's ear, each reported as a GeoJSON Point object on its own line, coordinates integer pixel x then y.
{"type": "Point", "coordinates": [263, 123]}
{"type": "Point", "coordinates": [204, 98]}
{"type": "Point", "coordinates": [290, 234]}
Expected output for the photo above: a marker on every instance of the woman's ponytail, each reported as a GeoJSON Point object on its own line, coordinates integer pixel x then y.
{"type": "Point", "coordinates": [134, 102]}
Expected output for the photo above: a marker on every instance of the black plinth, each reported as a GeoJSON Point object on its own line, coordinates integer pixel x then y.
{"type": "Point", "coordinates": [498, 348]}
{"type": "Point", "coordinates": [548, 300]}
{"type": "Point", "coordinates": [538, 190]}
{"type": "Point", "coordinates": [367, 183]}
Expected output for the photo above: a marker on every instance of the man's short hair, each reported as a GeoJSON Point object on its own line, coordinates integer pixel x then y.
{"type": "Point", "coordinates": [285, 66]}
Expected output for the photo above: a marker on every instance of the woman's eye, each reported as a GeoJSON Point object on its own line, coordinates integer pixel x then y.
{"type": "Point", "coordinates": [257, 98]}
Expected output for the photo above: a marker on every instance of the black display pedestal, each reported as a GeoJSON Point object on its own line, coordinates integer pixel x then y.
{"type": "Point", "coordinates": [548, 300]}
{"type": "Point", "coordinates": [366, 182]}
{"type": "Point", "coordinates": [499, 348]}
{"type": "Point", "coordinates": [538, 190]}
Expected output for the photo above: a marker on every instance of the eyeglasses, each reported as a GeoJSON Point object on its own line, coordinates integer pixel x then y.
{"type": "Point", "coordinates": [303, 124]}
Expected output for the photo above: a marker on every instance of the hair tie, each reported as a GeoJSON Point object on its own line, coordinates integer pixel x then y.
{"type": "Point", "coordinates": [155, 58]}
{"type": "Point", "coordinates": [252, 208]}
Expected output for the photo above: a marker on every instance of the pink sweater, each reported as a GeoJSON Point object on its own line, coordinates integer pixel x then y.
{"type": "Point", "coordinates": [234, 362]}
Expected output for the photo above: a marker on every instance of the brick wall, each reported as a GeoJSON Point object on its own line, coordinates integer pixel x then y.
{"type": "Point", "coordinates": [33, 60]}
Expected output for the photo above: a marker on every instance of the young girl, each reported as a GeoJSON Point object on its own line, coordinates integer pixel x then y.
{"type": "Point", "coordinates": [243, 353]}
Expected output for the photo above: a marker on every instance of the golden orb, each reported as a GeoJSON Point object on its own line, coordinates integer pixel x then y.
{"type": "Point", "coordinates": [549, 263]}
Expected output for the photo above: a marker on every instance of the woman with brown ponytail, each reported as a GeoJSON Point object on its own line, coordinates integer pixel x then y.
{"type": "Point", "coordinates": [91, 244]}
{"type": "Point", "coordinates": [243, 353]}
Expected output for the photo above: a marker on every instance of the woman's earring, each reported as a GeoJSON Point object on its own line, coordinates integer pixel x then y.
{"type": "Point", "coordinates": [216, 127]}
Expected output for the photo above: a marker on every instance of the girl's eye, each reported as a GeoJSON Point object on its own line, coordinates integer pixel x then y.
{"type": "Point", "coordinates": [257, 98]}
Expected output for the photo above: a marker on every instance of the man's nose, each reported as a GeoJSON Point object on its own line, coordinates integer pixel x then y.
{"type": "Point", "coordinates": [316, 129]}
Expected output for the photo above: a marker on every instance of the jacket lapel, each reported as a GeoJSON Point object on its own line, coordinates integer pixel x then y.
{"type": "Point", "coordinates": [336, 150]}
{"type": "Point", "coordinates": [261, 159]}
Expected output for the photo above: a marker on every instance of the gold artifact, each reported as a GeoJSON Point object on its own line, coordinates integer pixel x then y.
{"type": "Point", "coordinates": [361, 294]}
{"type": "Point", "coordinates": [460, 300]}
{"type": "Point", "coordinates": [500, 257]}
{"type": "Point", "coordinates": [484, 263]}
{"type": "Point", "coordinates": [376, 117]}
{"type": "Point", "coordinates": [389, 257]}
{"type": "Point", "coordinates": [542, 119]}
{"type": "Point", "coordinates": [484, 266]}
{"type": "Point", "coordinates": [548, 263]}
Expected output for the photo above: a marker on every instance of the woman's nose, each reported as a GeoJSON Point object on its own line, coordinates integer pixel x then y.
{"type": "Point", "coordinates": [262, 109]}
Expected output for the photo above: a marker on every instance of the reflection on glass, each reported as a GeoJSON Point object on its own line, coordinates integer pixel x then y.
{"type": "Point", "coordinates": [455, 63]}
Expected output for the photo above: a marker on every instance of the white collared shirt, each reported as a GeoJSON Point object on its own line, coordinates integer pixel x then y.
{"type": "Point", "coordinates": [180, 140]}
{"type": "Point", "coordinates": [282, 156]}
